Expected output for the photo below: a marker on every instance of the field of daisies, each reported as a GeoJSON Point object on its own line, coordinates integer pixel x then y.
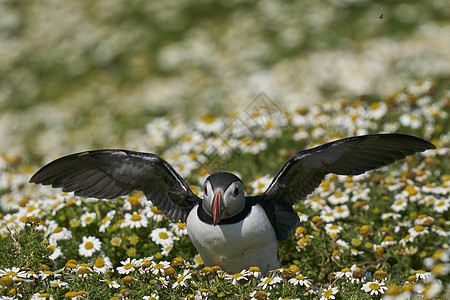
{"type": "Point", "coordinates": [383, 234]}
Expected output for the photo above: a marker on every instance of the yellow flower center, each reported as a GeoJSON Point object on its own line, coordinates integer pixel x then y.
{"type": "Point", "coordinates": [11, 273]}
{"type": "Point", "coordinates": [99, 263]}
{"type": "Point", "coordinates": [88, 219]}
{"type": "Point", "coordinates": [338, 195]}
{"type": "Point", "coordinates": [158, 266]}
{"type": "Point", "coordinates": [399, 202]}
{"type": "Point", "coordinates": [340, 209]}
{"type": "Point", "coordinates": [181, 278]}
{"type": "Point", "coordinates": [328, 293]}
{"type": "Point", "coordinates": [57, 229]}
{"type": "Point", "coordinates": [374, 286]}
{"type": "Point", "coordinates": [268, 280]}
{"type": "Point", "coordinates": [334, 227]}
{"type": "Point", "coordinates": [128, 266]}
{"type": "Point", "coordinates": [300, 277]}
{"type": "Point", "coordinates": [163, 235]}
{"type": "Point", "coordinates": [155, 210]}
{"type": "Point", "coordinates": [89, 245]}
{"type": "Point", "coordinates": [237, 275]}
{"type": "Point", "coordinates": [136, 217]}
{"type": "Point", "coordinates": [418, 228]}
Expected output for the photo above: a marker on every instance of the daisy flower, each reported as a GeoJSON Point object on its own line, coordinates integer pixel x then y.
{"type": "Point", "coordinates": [300, 280]}
{"type": "Point", "coordinates": [374, 287]}
{"type": "Point", "coordinates": [182, 279]}
{"type": "Point", "coordinates": [235, 278]}
{"type": "Point", "coordinates": [257, 295]}
{"type": "Point", "coordinates": [15, 273]}
{"type": "Point", "coordinates": [179, 228]}
{"type": "Point", "coordinates": [328, 215]}
{"type": "Point", "coordinates": [332, 229]}
{"type": "Point", "coordinates": [135, 220]}
{"type": "Point", "coordinates": [107, 221]}
{"type": "Point", "coordinates": [346, 272]}
{"type": "Point", "coordinates": [87, 218]}
{"type": "Point", "coordinates": [260, 184]}
{"type": "Point", "coordinates": [441, 205]}
{"type": "Point", "coordinates": [59, 233]}
{"type": "Point", "coordinates": [302, 217]}
{"type": "Point", "coordinates": [56, 252]}
{"type": "Point", "coordinates": [421, 274]}
{"type": "Point", "coordinates": [89, 246]}
{"type": "Point", "coordinates": [269, 282]}
{"type": "Point", "coordinates": [159, 267]}
{"type": "Point", "coordinates": [154, 213]}
{"type": "Point", "coordinates": [440, 231]}
{"type": "Point", "coordinates": [341, 212]}
{"type": "Point", "coordinates": [360, 195]}
{"type": "Point", "coordinates": [165, 250]}
{"type": "Point", "coordinates": [355, 252]}
{"type": "Point", "coordinates": [198, 260]}
{"type": "Point", "coordinates": [254, 271]}
{"type": "Point", "coordinates": [111, 283]}
{"type": "Point", "coordinates": [162, 236]}
{"type": "Point", "coordinates": [304, 241]}
{"type": "Point", "coordinates": [58, 283]}
{"type": "Point", "coordinates": [153, 296]}
{"type": "Point", "coordinates": [411, 120]}
{"type": "Point", "coordinates": [357, 275]}
{"type": "Point", "coordinates": [417, 230]}
{"type": "Point", "coordinates": [102, 264]}
{"type": "Point", "coordinates": [329, 293]}
{"type": "Point", "coordinates": [316, 203]}
{"type": "Point", "coordinates": [388, 241]}
{"type": "Point", "coordinates": [338, 198]}
{"type": "Point", "coordinates": [399, 205]}
{"type": "Point", "coordinates": [161, 282]}
{"type": "Point", "coordinates": [392, 215]}
{"type": "Point", "coordinates": [127, 266]}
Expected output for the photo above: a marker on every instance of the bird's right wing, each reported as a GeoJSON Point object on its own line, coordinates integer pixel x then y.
{"type": "Point", "coordinates": [107, 174]}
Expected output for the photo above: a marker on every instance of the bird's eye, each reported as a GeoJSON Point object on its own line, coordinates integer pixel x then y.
{"type": "Point", "coordinates": [205, 190]}
{"type": "Point", "coordinates": [236, 192]}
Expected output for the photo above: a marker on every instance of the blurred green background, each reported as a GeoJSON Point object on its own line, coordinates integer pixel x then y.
{"type": "Point", "coordinates": [78, 74]}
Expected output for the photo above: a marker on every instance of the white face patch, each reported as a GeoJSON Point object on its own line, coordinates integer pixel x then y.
{"type": "Point", "coordinates": [208, 195]}
{"type": "Point", "coordinates": [233, 199]}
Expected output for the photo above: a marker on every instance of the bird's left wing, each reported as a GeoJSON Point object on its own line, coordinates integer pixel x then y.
{"type": "Point", "coordinates": [304, 171]}
{"type": "Point", "coordinates": [107, 174]}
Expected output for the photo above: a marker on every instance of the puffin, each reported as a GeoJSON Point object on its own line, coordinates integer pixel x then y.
{"type": "Point", "coordinates": [228, 228]}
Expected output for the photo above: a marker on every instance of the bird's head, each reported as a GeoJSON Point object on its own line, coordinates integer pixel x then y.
{"type": "Point", "coordinates": [223, 196]}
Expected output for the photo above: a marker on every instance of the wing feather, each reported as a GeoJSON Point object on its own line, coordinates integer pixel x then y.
{"type": "Point", "coordinates": [107, 174]}
{"type": "Point", "coordinates": [304, 171]}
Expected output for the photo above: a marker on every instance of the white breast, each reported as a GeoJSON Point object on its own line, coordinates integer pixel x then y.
{"type": "Point", "coordinates": [234, 247]}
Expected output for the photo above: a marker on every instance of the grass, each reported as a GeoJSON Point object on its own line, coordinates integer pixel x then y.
{"type": "Point", "coordinates": [356, 235]}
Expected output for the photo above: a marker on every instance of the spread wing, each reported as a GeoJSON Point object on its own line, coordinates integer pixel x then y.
{"type": "Point", "coordinates": [107, 174]}
{"type": "Point", "coordinates": [304, 171]}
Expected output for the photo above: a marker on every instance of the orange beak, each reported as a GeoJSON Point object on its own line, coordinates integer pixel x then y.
{"type": "Point", "coordinates": [217, 207]}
